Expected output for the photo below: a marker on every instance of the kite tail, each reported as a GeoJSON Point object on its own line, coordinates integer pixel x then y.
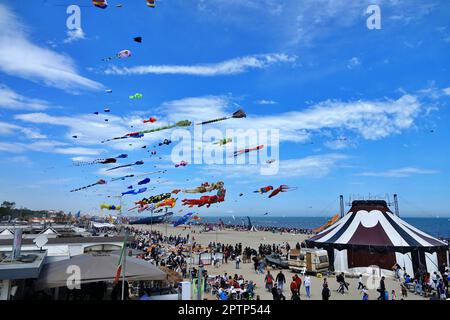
{"type": "Point", "coordinates": [214, 120]}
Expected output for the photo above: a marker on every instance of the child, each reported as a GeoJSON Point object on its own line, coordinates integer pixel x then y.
{"type": "Point", "coordinates": [404, 290]}
{"type": "Point", "coordinates": [393, 295]}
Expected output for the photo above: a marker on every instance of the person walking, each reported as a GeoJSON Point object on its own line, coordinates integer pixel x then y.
{"type": "Point", "coordinates": [294, 288]}
{"type": "Point", "coordinates": [382, 289]}
{"type": "Point", "coordinates": [307, 284]}
{"type": "Point", "coordinates": [280, 280]}
{"type": "Point", "coordinates": [326, 293]}
{"type": "Point", "coordinates": [238, 261]}
{"type": "Point", "coordinates": [360, 282]}
{"type": "Point", "coordinates": [269, 281]}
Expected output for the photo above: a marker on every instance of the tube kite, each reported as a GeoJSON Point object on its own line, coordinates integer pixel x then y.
{"type": "Point", "coordinates": [140, 134]}
{"type": "Point", "coordinates": [101, 181]}
{"type": "Point", "coordinates": [110, 207]}
{"type": "Point", "coordinates": [243, 151]}
{"type": "Point", "coordinates": [237, 115]}
{"type": "Point", "coordinates": [137, 163]}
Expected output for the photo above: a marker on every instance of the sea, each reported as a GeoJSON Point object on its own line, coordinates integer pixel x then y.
{"type": "Point", "coordinates": [437, 227]}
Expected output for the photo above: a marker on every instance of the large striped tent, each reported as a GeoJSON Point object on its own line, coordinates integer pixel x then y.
{"type": "Point", "coordinates": [370, 234]}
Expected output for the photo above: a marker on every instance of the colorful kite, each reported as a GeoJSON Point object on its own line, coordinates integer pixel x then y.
{"type": "Point", "coordinates": [137, 163]}
{"type": "Point", "coordinates": [110, 207]}
{"type": "Point", "coordinates": [165, 142]}
{"type": "Point", "coordinates": [134, 192]}
{"type": "Point", "coordinates": [101, 181]}
{"type": "Point", "coordinates": [151, 3]}
{"type": "Point", "coordinates": [205, 200]}
{"type": "Point", "coordinates": [145, 181]}
{"type": "Point", "coordinates": [107, 110]}
{"type": "Point", "coordinates": [223, 142]}
{"type": "Point", "coordinates": [122, 178]}
{"type": "Point", "coordinates": [102, 4]}
{"type": "Point", "coordinates": [243, 151]}
{"type": "Point", "coordinates": [181, 164]}
{"type": "Point", "coordinates": [120, 55]}
{"type": "Point", "coordinates": [237, 115]}
{"type": "Point", "coordinates": [136, 96]}
{"type": "Point", "coordinates": [183, 219]}
{"type": "Point", "coordinates": [167, 203]}
{"type": "Point", "coordinates": [101, 161]}
{"type": "Point", "coordinates": [154, 199]}
{"type": "Point", "coordinates": [151, 120]}
{"type": "Point", "coordinates": [264, 189]}
{"type": "Point", "coordinates": [140, 134]}
{"type": "Point", "coordinates": [282, 188]}
{"type": "Point", "coordinates": [206, 187]}
{"type": "Point", "coordinates": [329, 223]}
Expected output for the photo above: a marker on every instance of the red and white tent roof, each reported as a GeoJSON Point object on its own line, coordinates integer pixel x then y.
{"type": "Point", "coordinates": [372, 223]}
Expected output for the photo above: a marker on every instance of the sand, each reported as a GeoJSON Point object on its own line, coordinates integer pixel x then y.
{"type": "Point", "coordinates": [253, 239]}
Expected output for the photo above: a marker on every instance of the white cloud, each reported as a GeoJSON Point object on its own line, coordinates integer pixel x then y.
{"type": "Point", "coordinates": [76, 150]}
{"type": "Point", "coordinates": [353, 63]}
{"type": "Point", "coordinates": [372, 120]}
{"type": "Point", "coordinates": [312, 166]}
{"type": "Point", "coordinates": [446, 91]}
{"type": "Point", "coordinates": [228, 67]}
{"type": "Point", "coordinates": [11, 129]}
{"type": "Point", "coordinates": [47, 146]}
{"type": "Point", "coordinates": [10, 99]}
{"type": "Point", "coordinates": [399, 173]}
{"type": "Point", "coordinates": [74, 35]}
{"type": "Point", "coordinates": [22, 58]}
{"type": "Point", "coordinates": [266, 102]}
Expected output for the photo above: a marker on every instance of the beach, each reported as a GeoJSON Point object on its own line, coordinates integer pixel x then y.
{"type": "Point", "coordinates": [253, 240]}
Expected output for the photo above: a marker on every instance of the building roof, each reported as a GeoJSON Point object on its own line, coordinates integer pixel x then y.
{"type": "Point", "coordinates": [27, 266]}
{"type": "Point", "coordinates": [97, 267]}
{"type": "Point", "coordinates": [56, 241]}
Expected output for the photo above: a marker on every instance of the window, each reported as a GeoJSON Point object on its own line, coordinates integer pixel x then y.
{"type": "Point", "coordinates": [323, 259]}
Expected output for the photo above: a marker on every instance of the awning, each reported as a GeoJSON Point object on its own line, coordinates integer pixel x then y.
{"type": "Point", "coordinates": [96, 267]}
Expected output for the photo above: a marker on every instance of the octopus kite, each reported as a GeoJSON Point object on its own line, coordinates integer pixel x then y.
{"type": "Point", "coordinates": [282, 188]}
{"type": "Point", "coordinates": [205, 200]}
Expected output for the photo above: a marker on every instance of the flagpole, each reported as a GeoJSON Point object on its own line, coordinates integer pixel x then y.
{"type": "Point", "coordinates": [124, 263]}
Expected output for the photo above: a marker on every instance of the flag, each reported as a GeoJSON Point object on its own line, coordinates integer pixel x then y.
{"type": "Point", "coordinates": [120, 262]}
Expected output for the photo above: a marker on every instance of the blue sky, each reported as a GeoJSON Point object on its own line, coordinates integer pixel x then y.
{"type": "Point", "coordinates": [359, 111]}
